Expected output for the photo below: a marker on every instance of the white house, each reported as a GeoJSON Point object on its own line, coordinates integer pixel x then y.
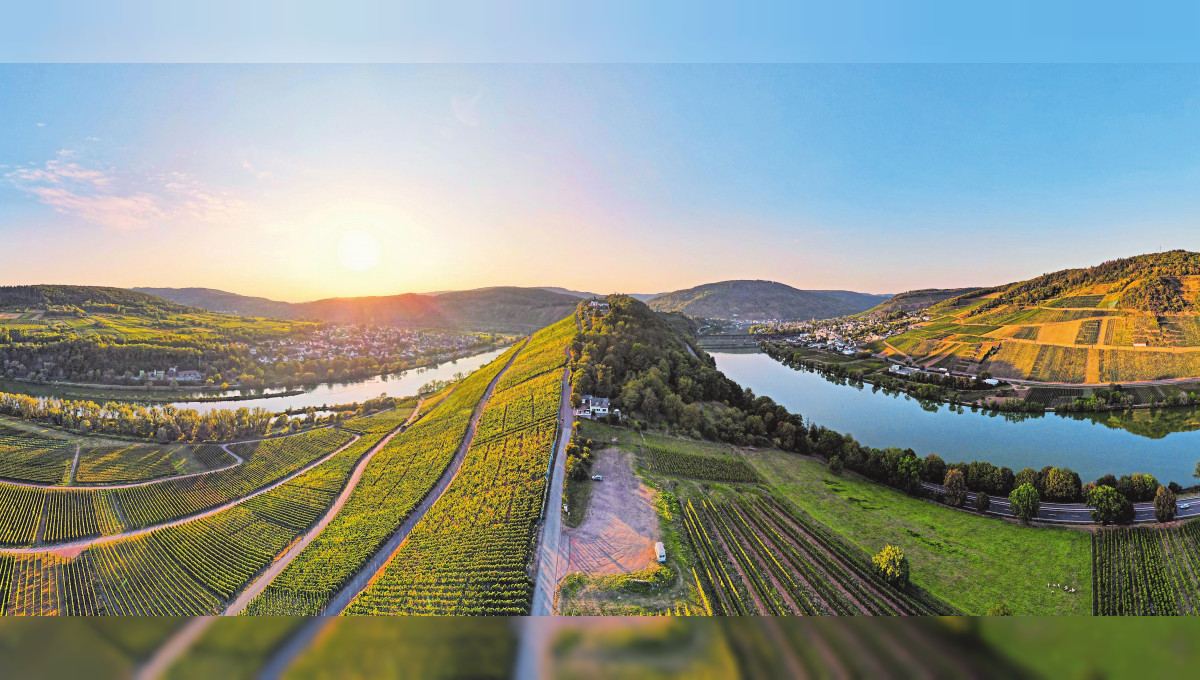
{"type": "Point", "coordinates": [592, 407]}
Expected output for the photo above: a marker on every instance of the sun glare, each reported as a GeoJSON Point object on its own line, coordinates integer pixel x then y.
{"type": "Point", "coordinates": [358, 250]}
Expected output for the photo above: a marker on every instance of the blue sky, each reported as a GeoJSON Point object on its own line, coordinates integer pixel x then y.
{"type": "Point", "coordinates": [639, 178]}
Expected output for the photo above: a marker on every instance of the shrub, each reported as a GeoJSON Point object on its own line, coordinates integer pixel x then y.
{"type": "Point", "coordinates": [983, 502]}
{"type": "Point", "coordinates": [1000, 609]}
{"type": "Point", "coordinates": [1025, 502]}
{"type": "Point", "coordinates": [956, 488]}
{"type": "Point", "coordinates": [892, 565]}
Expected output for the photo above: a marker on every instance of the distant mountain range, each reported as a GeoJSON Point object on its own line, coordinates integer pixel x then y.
{"type": "Point", "coordinates": [740, 300]}
{"type": "Point", "coordinates": [498, 309]}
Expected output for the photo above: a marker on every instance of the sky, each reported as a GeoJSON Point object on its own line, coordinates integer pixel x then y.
{"type": "Point", "coordinates": [298, 182]}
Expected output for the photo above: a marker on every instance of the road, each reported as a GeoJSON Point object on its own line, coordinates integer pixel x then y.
{"type": "Point", "coordinates": [389, 550]}
{"type": "Point", "coordinates": [550, 545]}
{"type": "Point", "coordinates": [1077, 513]}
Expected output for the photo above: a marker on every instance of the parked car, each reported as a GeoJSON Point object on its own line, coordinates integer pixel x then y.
{"type": "Point", "coordinates": [597, 478]}
{"type": "Point", "coordinates": [1184, 506]}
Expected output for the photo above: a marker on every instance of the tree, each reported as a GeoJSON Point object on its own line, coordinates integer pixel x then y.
{"type": "Point", "coordinates": [1196, 472]}
{"type": "Point", "coordinates": [956, 488]}
{"type": "Point", "coordinates": [892, 565]}
{"type": "Point", "coordinates": [835, 465]}
{"type": "Point", "coordinates": [1062, 484]}
{"type": "Point", "coordinates": [1164, 505]}
{"type": "Point", "coordinates": [935, 468]}
{"type": "Point", "coordinates": [1025, 502]}
{"type": "Point", "coordinates": [1026, 476]}
{"type": "Point", "coordinates": [1109, 506]}
{"type": "Point", "coordinates": [982, 502]}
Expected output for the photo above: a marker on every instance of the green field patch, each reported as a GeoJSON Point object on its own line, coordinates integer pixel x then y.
{"type": "Point", "coordinates": [1076, 301]}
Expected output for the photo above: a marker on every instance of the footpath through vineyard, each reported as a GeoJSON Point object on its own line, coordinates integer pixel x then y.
{"type": "Point", "coordinates": [74, 547]}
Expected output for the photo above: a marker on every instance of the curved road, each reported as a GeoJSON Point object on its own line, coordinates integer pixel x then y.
{"type": "Point", "coordinates": [1076, 513]}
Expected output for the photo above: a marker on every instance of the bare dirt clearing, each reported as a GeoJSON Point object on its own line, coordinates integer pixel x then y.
{"type": "Point", "coordinates": [621, 527]}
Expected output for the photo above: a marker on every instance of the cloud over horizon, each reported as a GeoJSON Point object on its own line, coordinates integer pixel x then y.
{"type": "Point", "coordinates": [122, 201]}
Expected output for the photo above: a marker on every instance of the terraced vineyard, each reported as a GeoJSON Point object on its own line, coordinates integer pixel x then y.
{"type": "Point", "coordinates": [760, 556]}
{"type": "Point", "coordinates": [190, 568]}
{"type": "Point", "coordinates": [1147, 571]}
{"type": "Point", "coordinates": [135, 462]}
{"type": "Point", "coordinates": [470, 554]}
{"type": "Point", "coordinates": [384, 421]}
{"type": "Point", "coordinates": [392, 485]}
{"type": "Point", "coordinates": [30, 457]}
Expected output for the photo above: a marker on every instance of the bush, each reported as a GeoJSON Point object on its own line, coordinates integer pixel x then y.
{"type": "Point", "coordinates": [1164, 505]}
{"type": "Point", "coordinates": [982, 502]}
{"type": "Point", "coordinates": [892, 565]}
{"type": "Point", "coordinates": [1025, 502]}
{"type": "Point", "coordinates": [1109, 506]}
{"type": "Point", "coordinates": [956, 488]}
{"type": "Point", "coordinates": [1000, 609]}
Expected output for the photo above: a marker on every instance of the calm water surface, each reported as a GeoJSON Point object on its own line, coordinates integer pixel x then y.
{"type": "Point", "coordinates": [1163, 442]}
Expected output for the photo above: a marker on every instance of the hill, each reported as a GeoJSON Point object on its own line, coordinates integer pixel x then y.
{"type": "Point", "coordinates": [500, 308]}
{"type": "Point", "coordinates": [916, 300]}
{"type": "Point", "coordinates": [640, 297]}
{"type": "Point", "coordinates": [1132, 319]}
{"type": "Point", "coordinates": [87, 298]}
{"type": "Point", "coordinates": [760, 300]}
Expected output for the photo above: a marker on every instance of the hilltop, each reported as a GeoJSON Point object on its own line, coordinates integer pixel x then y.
{"type": "Point", "coordinates": [502, 308]}
{"type": "Point", "coordinates": [916, 300]}
{"type": "Point", "coordinates": [86, 298]}
{"type": "Point", "coordinates": [758, 300]}
{"type": "Point", "coordinates": [1132, 319]}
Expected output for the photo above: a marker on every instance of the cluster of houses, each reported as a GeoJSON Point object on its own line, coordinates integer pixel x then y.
{"type": "Point", "coordinates": [844, 332]}
{"type": "Point", "coordinates": [172, 373]}
{"type": "Point", "coordinates": [351, 341]}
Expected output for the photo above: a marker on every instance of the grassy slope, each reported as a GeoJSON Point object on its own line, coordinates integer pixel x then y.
{"type": "Point", "coordinates": [1067, 648]}
{"type": "Point", "coordinates": [971, 562]}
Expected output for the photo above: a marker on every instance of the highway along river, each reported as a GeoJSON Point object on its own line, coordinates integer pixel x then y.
{"type": "Point", "coordinates": [1162, 442]}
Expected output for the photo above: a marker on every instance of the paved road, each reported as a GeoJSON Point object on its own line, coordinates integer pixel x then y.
{"type": "Point", "coordinates": [1077, 513]}
{"type": "Point", "coordinates": [98, 540]}
{"type": "Point", "coordinates": [550, 545]}
{"type": "Point", "coordinates": [359, 583]}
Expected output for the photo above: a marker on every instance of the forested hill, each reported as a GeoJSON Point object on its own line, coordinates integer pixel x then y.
{"type": "Point", "coordinates": [500, 308]}
{"type": "Point", "coordinates": [89, 298]}
{"type": "Point", "coordinates": [916, 300]}
{"type": "Point", "coordinates": [760, 300]}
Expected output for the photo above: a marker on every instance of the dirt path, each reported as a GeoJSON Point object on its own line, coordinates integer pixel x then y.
{"type": "Point", "coordinates": [75, 546]}
{"type": "Point", "coordinates": [621, 527]}
{"type": "Point", "coordinates": [263, 580]}
{"type": "Point", "coordinates": [74, 466]}
{"type": "Point", "coordinates": [391, 548]}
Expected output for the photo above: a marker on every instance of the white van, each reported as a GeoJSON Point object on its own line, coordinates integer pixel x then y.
{"type": "Point", "coordinates": [661, 550]}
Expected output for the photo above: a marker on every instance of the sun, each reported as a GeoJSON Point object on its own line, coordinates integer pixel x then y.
{"type": "Point", "coordinates": [358, 250]}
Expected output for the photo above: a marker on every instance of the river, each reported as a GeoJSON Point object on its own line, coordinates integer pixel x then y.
{"type": "Point", "coordinates": [1162, 442]}
{"type": "Point", "coordinates": [346, 393]}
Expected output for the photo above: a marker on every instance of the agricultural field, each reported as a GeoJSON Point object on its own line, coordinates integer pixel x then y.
{"type": "Point", "coordinates": [1088, 333]}
{"type": "Point", "coordinates": [471, 552]}
{"type": "Point", "coordinates": [672, 463]}
{"type": "Point", "coordinates": [233, 648]}
{"type": "Point", "coordinates": [137, 462]}
{"type": "Point", "coordinates": [384, 421]}
{"type": "Point", "coordinates": [1146, 364]}
{"type": "Point", "coordinates": [393, 484]}
{"type": "Point", "coordinates": [1147, 571]}
{"type": "Point", "coordinates": [30, 457]}
{"type": "Point", "coordinates": [967, 561]}
{"type": "Point", "coordinates": [1059, 364]}
{"type": "Point", "coordinates": [761, 556]}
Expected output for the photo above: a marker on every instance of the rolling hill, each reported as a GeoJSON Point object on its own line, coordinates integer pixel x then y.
{"type": "Point", "coordinates": [916, 300]}
{"type": "Point", "coordinates": [759, 300]}
{"type": "Point", "coordinates": [1127, 320]}
{"type": "Point", "coordinates": [496, 309]}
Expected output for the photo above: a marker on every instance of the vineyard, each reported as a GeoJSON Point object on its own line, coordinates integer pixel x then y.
{"type": "Point", "coordinates": [1147, 571]}
{"type": "Point", "coordinates": [1088, 333]}
{"type": "Point", "coordinates": [674, 464]}
{"type": "Point", "coordinates": [470, 554]}
{"type": "Point", "coordinates": [758, 555]}
{"type": "Point", "coordinates": [189, 568]}
{"type": "Point", "coordinates": [383, 422]}
{"type": "Point", "coordinates": [29, 457]}
{"type": "Point", "coordinates": [392, 485]}
{"type": "Point", "coordinates": [135, 463]}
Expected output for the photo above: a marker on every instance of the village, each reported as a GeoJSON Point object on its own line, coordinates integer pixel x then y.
{"type": "Point", "coordinates": [351, 341]}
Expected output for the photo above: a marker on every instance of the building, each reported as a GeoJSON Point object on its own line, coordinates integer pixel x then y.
{"type": "Point", "coordinates": [599, 306]}
{"type": "Point", "coordinates": [593, 407]}
{"type": "Point", "coordinates": [188, 376]}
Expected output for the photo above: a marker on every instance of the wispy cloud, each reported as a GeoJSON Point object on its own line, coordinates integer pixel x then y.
{"type": "Point", "coordinates": [122, 201]}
